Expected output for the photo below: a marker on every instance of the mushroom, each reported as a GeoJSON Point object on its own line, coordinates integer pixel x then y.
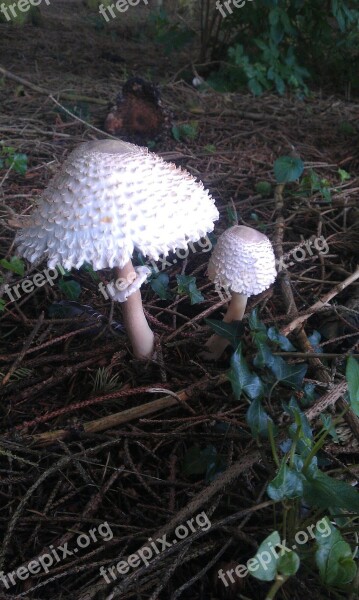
{"type": "Point", "coordinates": [242, 261]}
{"type": "Point", "coordinates": [109, 198]}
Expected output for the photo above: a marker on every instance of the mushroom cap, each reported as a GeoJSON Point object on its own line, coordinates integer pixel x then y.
{"type": "Point", "coordinates": [243, 261]}
{"type": "Point", "coordinates": [109, 198]}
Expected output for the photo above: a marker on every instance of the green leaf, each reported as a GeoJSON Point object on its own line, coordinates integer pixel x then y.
{"type": "Point", "coordinates": [19, 163]}
{"type": "Point", "coordinates": [2, 305]}
{"type": "Point", "coordinates": [257, 419]}
{"type": "Point", "coordinates": [88, 268]}
{"type": "Point", "coordinates": [281, 340]}
{"type": "Point", "coordinates": [15, 264]}
{"type": "Point", "coordinates": [255, 87]}
{"type": "Point", "coordinates": [344, 175]}
{"type": "Point", "coordinates": [325, 492]}
{"type": "Point", "coordinates": [187, 285]}
{"type": "Point", "coordinates": [288, 564]}
{"type": "Point", "coordinates": [242, 379]}
{"type": "Point", "coordinates": [255, 323]}
{"type": "Point", "coordinates": [290, 375]}
{"type": "Point", "coordinates": [300, 420]}
{"type": "Point", "coordinates": [264, 188]}
{"type": "Point", "coordinates": [71, 289]}
{"type": "Point", "coordinates": [334, 556]}
{"type": "Point", "coordinates": [329, 427]}
{"type": "Point", "coordinates": [159, 284]}
{"type": "Point", "coordinates": [185, 131]}
{"type": "Point", "coordinates": [287, 169]}
{"type": "Point", "coordinates": [266, 570]}
{"type": "Point", "coordinates": [230, 331]}
{"type": "Point", "coordinates": [352, 376]}
{"type": "Point", "coordinates": [286, 484]}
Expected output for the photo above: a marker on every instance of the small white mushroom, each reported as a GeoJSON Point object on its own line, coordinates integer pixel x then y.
{"type": "Point", "coordinates": [109, 198]}
{"type": "Point", "coordinates": [243, 262]}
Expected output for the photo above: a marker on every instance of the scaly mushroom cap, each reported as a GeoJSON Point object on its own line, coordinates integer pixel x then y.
{"type": "Point", "coordinates": [243, 261]}
{"type": "Point", "coordinates": [109, 198]}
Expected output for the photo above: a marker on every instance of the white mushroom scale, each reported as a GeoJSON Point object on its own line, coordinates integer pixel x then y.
{"type": "Point", "coordinates": [242, 261]}
{"type": "Point", "coordinates": [109, 198]}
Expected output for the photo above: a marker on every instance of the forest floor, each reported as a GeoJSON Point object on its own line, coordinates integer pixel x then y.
{"type": "Point", "coordinates": [81, 443]}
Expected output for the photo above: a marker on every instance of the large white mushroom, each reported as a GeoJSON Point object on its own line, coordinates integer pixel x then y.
{"type": "Point", "coordinates": [109, 198]}
{"type": "Point", "coordinates": [243, 262]}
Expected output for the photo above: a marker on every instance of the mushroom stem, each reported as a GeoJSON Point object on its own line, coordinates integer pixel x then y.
{"type": "Point", "coordinates": [217, 344]}
{"type": "Point", "coordinates": [140, 334]}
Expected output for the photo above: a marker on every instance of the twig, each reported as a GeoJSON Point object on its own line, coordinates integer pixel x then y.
{"type": "Point", "coordinates": [320, 304]}
{"type": "Point", "coordinates": [27, 344]}
{"type": "Point", "coordinates": [44, 439]}
{"type": "Point", "coordinates": [41, 90]}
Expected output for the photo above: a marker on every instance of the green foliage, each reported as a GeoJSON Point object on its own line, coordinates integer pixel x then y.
{"type": "Point", "coordinates": [287, 484]}
{"type": "Point", "coordinates": [103, 382]}
{"type": "Point", "coordinates": [15, 264]}
{"type": "Point", "coordinates": [278, 44]}
{"type": "Point", "coordinates": [264, 188]}
{"type": "Point", "coordinates": [325, 492]}
{"type": "Point", "coordinates": [185, 131]}
{"type": "Point", "coordinates": [287, 169]}
{"type": "Point", "coordinates": [312, 183]}
{"type": "Point", "coordinates": [230, 331]}
{"type": "Point", "coordinates": [284, 562]}
{"type": "Point", "coordinates": [243, 380]}
{"type": "Point", "coordinates": [88, 268]}
{"type": "Point", "coordinates": [10, 159]}
{"type": "Point", "coordinates": [299, 477]}
{"type": "Point", "coordinates": [159, 283]}
{"type": "Point", "coordinates": [258, 419]}
{"type": "Point", "coordinates": [352, 375]}
{"type": "Point", "coordinates": [19, 374]}
{"type": "Point", "coordinates": [187, 285]}
{"type": "Point", "coordinates": [171, 36]}
{"type": "Point", "coordinates": [334, 557]}
{"type": "Point", "coordinates": [70, 288]}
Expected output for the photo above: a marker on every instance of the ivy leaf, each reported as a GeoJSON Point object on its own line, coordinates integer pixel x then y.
{"type": "Point", "coordinates": [257, 419]}
{"type": "Point", "coordinates": [88, 268]}
{"type": "Point", "coordinates": [329, 427]}
{"type": "Point", "coordinates": [71, 289]}
{"type": "Point", "coordinates": [282, 341]}
{"type": "Point", "coordinates": [19, 163]}
{"type": "Point", "coordinates": [187, 285]}
{"type": "Point", "coordinates": [15, 264]}
{"type": "Point", "coordinates": [159, 284]}
{"type": "Point", "coordinates": [334, 556]}
{"type": "Point", "coordinates": [300, 420]}
{"type": "Point", "coordinates": [290, 375]}
{"type": "Point", "coordinates": [325, 492]}
{"type": "Point", "coordinates": [265, 571]}
{"type": "Point", "coordinates": [230, 331]}
{"type": "Point", "coordinates": [288, 564]}
{"type": "Point", "coordinates": [288, 169]}
{"type": "Point", "coordinates": [286, 484]}
{"type": "Point", "coordinates": [352, 375]}
{"type": "Point", "coordinates": [242, 379]}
